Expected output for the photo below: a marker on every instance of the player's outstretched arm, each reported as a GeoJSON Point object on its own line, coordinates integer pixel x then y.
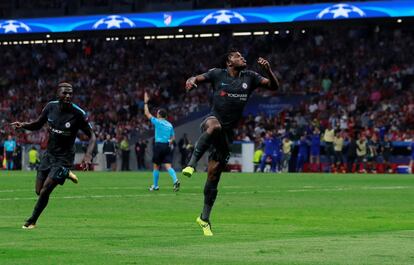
{"type": "Point", "coordinates": [31, 126]}
{"type": "Point", "coordinates": [271, 81]}
{"type": "Point", "coordinates": [193, 81]}
{"type": "Point", "coordinates": [146, 110]}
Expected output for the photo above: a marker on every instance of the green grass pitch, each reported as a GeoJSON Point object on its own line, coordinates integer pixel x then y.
{"type": "Point", "coordinates": [112, 218]}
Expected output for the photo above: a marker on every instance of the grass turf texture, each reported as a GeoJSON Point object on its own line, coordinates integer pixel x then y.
{"type": "Point", "coordinates": [112, 218]}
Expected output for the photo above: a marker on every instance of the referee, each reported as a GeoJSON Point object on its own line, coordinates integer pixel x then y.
{"type": "Point", "coordinates": [162, 151]}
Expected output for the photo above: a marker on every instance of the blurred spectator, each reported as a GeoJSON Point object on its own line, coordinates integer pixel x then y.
{"type": "Point", "coordinates": [109, 150]}
{"type": "Point", "coordinates": [315, 150]}
{"type": "Point", "coordinates": [373, 153]}
{"type": "Point", "coordinates": [140, 149]}
{"type": "Point", "coordinates": [34, 159]}
{"type": "Point", "coordinates": [351, 153]}
{"type": "Point", "coordinates": [302, 157]}
{"type": "Point", "coordinates": [362, 151]}
{"type": "Point", "coordinates": [257, 158]}
{"type": "Point", "coordinates": [386, 152]}
{"type": "Point", "coordinates": [124, 147]}
{"type": "Point", "coordinates": [9, 152]}
{"type": "Point", "coordinates": [287, 153]}
{"type": "Point", "coordinates": [328, 138]}
{"type": "Point", "coordinates": [338, 150]}
{"type": "Point", "coordinates": [182, 147]}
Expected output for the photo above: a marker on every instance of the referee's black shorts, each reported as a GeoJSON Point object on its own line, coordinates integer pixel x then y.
{"type": "Point", "coordinates": [162, 154]}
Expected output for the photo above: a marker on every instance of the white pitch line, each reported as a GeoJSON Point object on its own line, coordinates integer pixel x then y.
{"type": "Point", "coordinates": [89, 197]}
{"type": "Point", "coordinates": [198, 193]}
{"type": "Point", "coordinates": [305, 188]}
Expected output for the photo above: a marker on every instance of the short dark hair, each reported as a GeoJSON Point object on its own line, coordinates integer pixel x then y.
{"type": "Point", "coordinates": [64, 84]}
{"type": "Point", "coordinates": [227, 56]}
{"type": "Point", "coordinates": [162, 113]}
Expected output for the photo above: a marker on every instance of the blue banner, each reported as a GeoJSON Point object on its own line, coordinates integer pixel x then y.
{"type": "Point", "coordinates": [271, 105]}
{"type": "Point", "coordinates": [276, 14]}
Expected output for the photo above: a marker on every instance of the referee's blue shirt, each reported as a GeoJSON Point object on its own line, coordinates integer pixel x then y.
{"type": "Point", "coordinates": [163, 130]}
{"type": "Point", "coordinates": [10, 145]}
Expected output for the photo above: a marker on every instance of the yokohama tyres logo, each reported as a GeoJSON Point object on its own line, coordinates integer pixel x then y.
{"type": "Point", "coordinates": [243, 97]}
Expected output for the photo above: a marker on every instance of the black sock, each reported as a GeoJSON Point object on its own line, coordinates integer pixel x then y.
{"type": "Point", "coordinates": [210, 195]}
{"type": "Point", "coordinates": [39, 207]}
{"type": "Point", "coordinates": [201, 147]}
{"type": "Point", "coordinates": [42, 200]}
{"type": "Point", "coordinates": [205, 215]}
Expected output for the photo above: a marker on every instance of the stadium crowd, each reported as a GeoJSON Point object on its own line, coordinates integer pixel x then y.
{"type": "Point", "coordinates": [358, 82]}
{"type": "Point", "coordinates": [109, 80]}
{"type": "Point", "coordinates": [355, 79]}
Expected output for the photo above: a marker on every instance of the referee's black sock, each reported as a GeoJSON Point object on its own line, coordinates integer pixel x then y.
{"type": "Point", "coordinates": [201, 147]}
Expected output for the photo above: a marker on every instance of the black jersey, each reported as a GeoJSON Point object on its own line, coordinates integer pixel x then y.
{"type": "Point", "coordinates": [64, 124]}
{"type": "Point", "coordinates": [230, 94]}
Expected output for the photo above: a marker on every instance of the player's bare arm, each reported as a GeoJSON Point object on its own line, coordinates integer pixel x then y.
{"type": "Point", "coordinates": [193, 81]}
{"type": "Point", "coordinates": [271, 81]}
{"type": "Point", "coordinates": [32, 126]}
{"type": "Point", "coordinates": [146, 110]}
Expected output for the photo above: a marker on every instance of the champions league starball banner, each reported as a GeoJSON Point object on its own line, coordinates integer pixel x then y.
{"type": "Point", "coordinates": [263, 15]}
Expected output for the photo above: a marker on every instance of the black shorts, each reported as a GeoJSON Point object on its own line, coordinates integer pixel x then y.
{"type": "Point", "coordinates": [9, 155]}
{"type": "Point", "coordinates": [162, 154]}
{"type": "Point", "coordinates": [55, 167]}
{"type": "Point", "coordinates": [220, 149]}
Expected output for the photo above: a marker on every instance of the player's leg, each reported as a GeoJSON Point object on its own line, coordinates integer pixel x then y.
{"type": "Point", "coordinates": [210, 194]}
{"type": "Point", "coordinates": [57, 175]}
{"type": "Point", "coordinates": [210, 187]}
{"type": "Point", "coordinates": [210, 127]}
{"type": "Point", "coordinates": [48, 186]}
{"type": "Point", "coordinates": [40, 180]}
{"type": "Point", "coordinates": [155, 177]}
{"type": "Point", "coordinates": [217, 163]}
